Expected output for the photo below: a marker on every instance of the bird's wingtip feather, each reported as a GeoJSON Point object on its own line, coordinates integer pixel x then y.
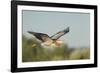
{"type": "Point", "coordinates": [30, 32]}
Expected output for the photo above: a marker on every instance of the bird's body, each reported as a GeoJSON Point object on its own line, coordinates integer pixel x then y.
{"type": "Point", "coordinates": [50, 42]}
{"type": "Point", "coordinates": [53, 44]}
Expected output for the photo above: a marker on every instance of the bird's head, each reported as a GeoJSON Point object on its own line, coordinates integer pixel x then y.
{"type": "Point", "coordinates": [55, 44]}
{"type": "Point", "coordinates": [58, 43]}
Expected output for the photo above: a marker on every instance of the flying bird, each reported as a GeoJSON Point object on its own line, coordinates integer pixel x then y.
{"type": "Point", "coordinates": [49, 41]}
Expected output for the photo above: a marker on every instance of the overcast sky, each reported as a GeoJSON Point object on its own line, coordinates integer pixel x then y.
{"type": "Point", "coordinates": [52, 22]}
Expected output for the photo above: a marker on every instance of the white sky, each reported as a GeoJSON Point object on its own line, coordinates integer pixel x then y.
{"type": "Point", "coordinates": [52, 22]}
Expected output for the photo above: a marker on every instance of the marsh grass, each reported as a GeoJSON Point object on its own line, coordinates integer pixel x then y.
{"type": "Point", "coordinates": [38, 53]}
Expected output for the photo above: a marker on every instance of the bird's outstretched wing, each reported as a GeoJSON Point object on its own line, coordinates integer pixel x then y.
{"type": "Point", "coordinates": [59, 34]}
{"type": "Point", "coordinates": [41, 36]}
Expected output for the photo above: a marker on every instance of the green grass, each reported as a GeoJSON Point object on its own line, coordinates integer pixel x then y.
{"type": "Point", "coordinates": [30, 54]}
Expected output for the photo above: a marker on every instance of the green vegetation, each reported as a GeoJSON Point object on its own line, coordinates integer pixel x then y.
{"type": "Point", "coordinates": [38, 53]}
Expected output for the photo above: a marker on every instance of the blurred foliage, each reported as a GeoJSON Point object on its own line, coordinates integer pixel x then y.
{"type": "Point", "coordinates": [38, 53]}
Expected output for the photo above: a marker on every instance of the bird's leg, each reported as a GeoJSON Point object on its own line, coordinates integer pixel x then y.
{"type": "Point", "coordinates": [34, 45]}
